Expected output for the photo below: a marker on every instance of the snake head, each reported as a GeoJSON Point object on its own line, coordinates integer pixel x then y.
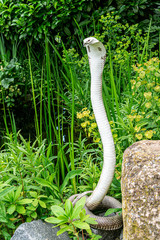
{"type": "Point", "coordinates": [90, 40]}
{"type": "Point", "coordinates": [95, 49]}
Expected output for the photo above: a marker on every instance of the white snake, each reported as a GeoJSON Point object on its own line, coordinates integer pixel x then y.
{"type": "Point", "coordinates": [97, 55]}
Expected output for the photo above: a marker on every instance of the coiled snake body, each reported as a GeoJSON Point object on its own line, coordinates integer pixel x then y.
{"type": "Point", "coordinates": [97, 55]}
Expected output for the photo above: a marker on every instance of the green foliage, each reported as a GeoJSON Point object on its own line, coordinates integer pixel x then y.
{"type": "Point", "coordinates": [17, 205]}
{"type": "Point", "coordinates": [32, 19]}
{"type": "Point", "coordinates": [113, 210]}
{"type": "Point", "coordinates": [71, 219]}
{"type": "Point", "coordinates": [11, 82]}
{"type": "Point", "coordinates": [142, 120]}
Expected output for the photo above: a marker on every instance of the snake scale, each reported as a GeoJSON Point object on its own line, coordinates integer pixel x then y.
{"type": "Point", "coordinates": [98, 199]}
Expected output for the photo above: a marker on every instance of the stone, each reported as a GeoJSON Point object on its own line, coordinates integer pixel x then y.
{"type": "Point", "coordinates": [141, 191]}
{"type": "Point", "coordinates": [38, 230]}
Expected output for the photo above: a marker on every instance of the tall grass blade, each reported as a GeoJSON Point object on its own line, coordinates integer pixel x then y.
{"type": "Point", "coordinates": [33, 93]}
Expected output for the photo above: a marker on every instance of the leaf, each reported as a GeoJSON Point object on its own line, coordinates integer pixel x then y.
{"type": "Point", "coordinates": [35, 203]}
{"type": "Point", "coordinates": [11, 209]}
{"type": "Point", "coordinates": [2, 209]}
{"type": "Point", "coordinates": [6, 82]}
{"type": "Point", "coordinates": [70, 175]}
{"type": "Point", "coordinates": [31, 208]}
{"type": "Point", "coordinates": [53, 220]}
{"type": "Point", "coordinates": [6, 191]}
{"type": "Point", "coordinates": [42, 204]}
{"type": "Point", "coordinates": [83, 217]}
{"type": "Point", "coordinates": [64, 229]}
{"type": "Point", "coordinates": [24, 201]}
{"type": "Point", "coordinates": [64, 218]}
{"type": "Point", "coordinates": [78, 207]}
{"type": "Point", "coordinates": [17, 193]}
{"type": "Point", "coordinates": [11, 225]}
{"type": "Point", "coordinates": [20, 209]}
{"type": "Point", "coordinates": [34, 215]}
{"type": "Point", "coordinates": [68, 207]}
{"type": "Point", "coordinates": [143, 122]}
{"type": "Point", "coordinates": [91, 220]}
{"type": "Point", "coordinates": [112, 210]}
{"type": "Point", "coordinates": [46, 183]}
{"type": "Point", "coordinates": [67, 31]}
{"type": "Point", "coordinates": [81, 225]}
{"type": "Point", "coordinates": [28, 219]}
{"type": "Point", "coordinates": [58, 211]}
{"type": "Point", "coordinates": [33, 194]}
{"type": "Point", "coordinates": [3, 219]}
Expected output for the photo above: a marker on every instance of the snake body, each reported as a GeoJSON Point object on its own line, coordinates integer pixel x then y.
{"type": "Point", "coordinates": [97, 55]}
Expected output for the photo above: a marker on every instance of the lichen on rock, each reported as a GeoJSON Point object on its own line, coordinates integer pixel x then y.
{"type": "Point", "coordinates": [141, 191]}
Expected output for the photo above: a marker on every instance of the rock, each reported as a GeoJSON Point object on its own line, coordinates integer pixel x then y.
{"type": "Point", "coordinates": [38, 230]}
{"type": "Point", "coordinates": [141, 191]}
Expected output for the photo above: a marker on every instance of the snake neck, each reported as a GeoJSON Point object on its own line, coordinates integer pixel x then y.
{"type": "Point", "coordinates": [96, 68]}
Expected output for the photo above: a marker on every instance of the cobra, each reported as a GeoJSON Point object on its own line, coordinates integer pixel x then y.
{"type": "Point", "coordinates": [97, 56]}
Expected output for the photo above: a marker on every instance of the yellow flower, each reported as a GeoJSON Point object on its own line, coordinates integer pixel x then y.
{"type": "Point", "coordinates": [115, 136]}
{"type": "Point", "coordinates": [138, 118]}
{"type": "Point", "coordinates": [149, 134]}
{"type": "Point", "coordinates": [86, 113]}
{"type": "Point", "coordinates": [148, 95]}
{"type": "Point", "coordinates": [142, 74]}
{"type": "Point", "coordinates": [137, 129]}
{"type": "Point", "coordinates": [92, 117]}
{"type": "Point", "coordinates": [94, 125]}
{"type": "Point", "coordinates": [131, 117]}
{"type": "Point", "coordinates": [151, 68]}
{"type": "Point", "coordinates": [84, 124]}
{"type": "Point", "coordinates": [138, 84]}
{"type": "Point", "coordinates": [157, 88]}
{"type": "Point", "coordinates": [96, 140]}
{"type": "Point", "coordinates": [133, 82]}
{"type": "Point", "coordinates": [157, 74]}
{"type": "Point", "coordinates": [79, 115]}
{"type": "Point", "coordinates": [84, 109]}
{"type": "Point", "coordinates": [133, 110]}
{"type": "Point", "coordinates": [90, 129]}
{"type": "Point", "coordinates": [148, 105]}
{"type": "Point", "coordinates": [155, 97]}
{"type": "Point", "coordinates": [149, 85]}
{"type": "Point", "coordinates": [139, 136]}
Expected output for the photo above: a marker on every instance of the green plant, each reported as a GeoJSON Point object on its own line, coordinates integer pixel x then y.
{"type": "Point", "coordinates": [11, 82]}
{"type": "Point", "coordinates": [72, 219]}
{"type": "Point", "coordinates": [31, 20]}
{"type": "Point", "coordinates": [143, 121]}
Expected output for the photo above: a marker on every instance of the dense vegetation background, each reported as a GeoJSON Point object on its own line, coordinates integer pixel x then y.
{"type": "Point", "coordinates": [50, 145]}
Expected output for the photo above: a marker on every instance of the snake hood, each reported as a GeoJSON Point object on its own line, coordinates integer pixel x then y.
{"type": "Point", "coordinates": [95, 49]}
